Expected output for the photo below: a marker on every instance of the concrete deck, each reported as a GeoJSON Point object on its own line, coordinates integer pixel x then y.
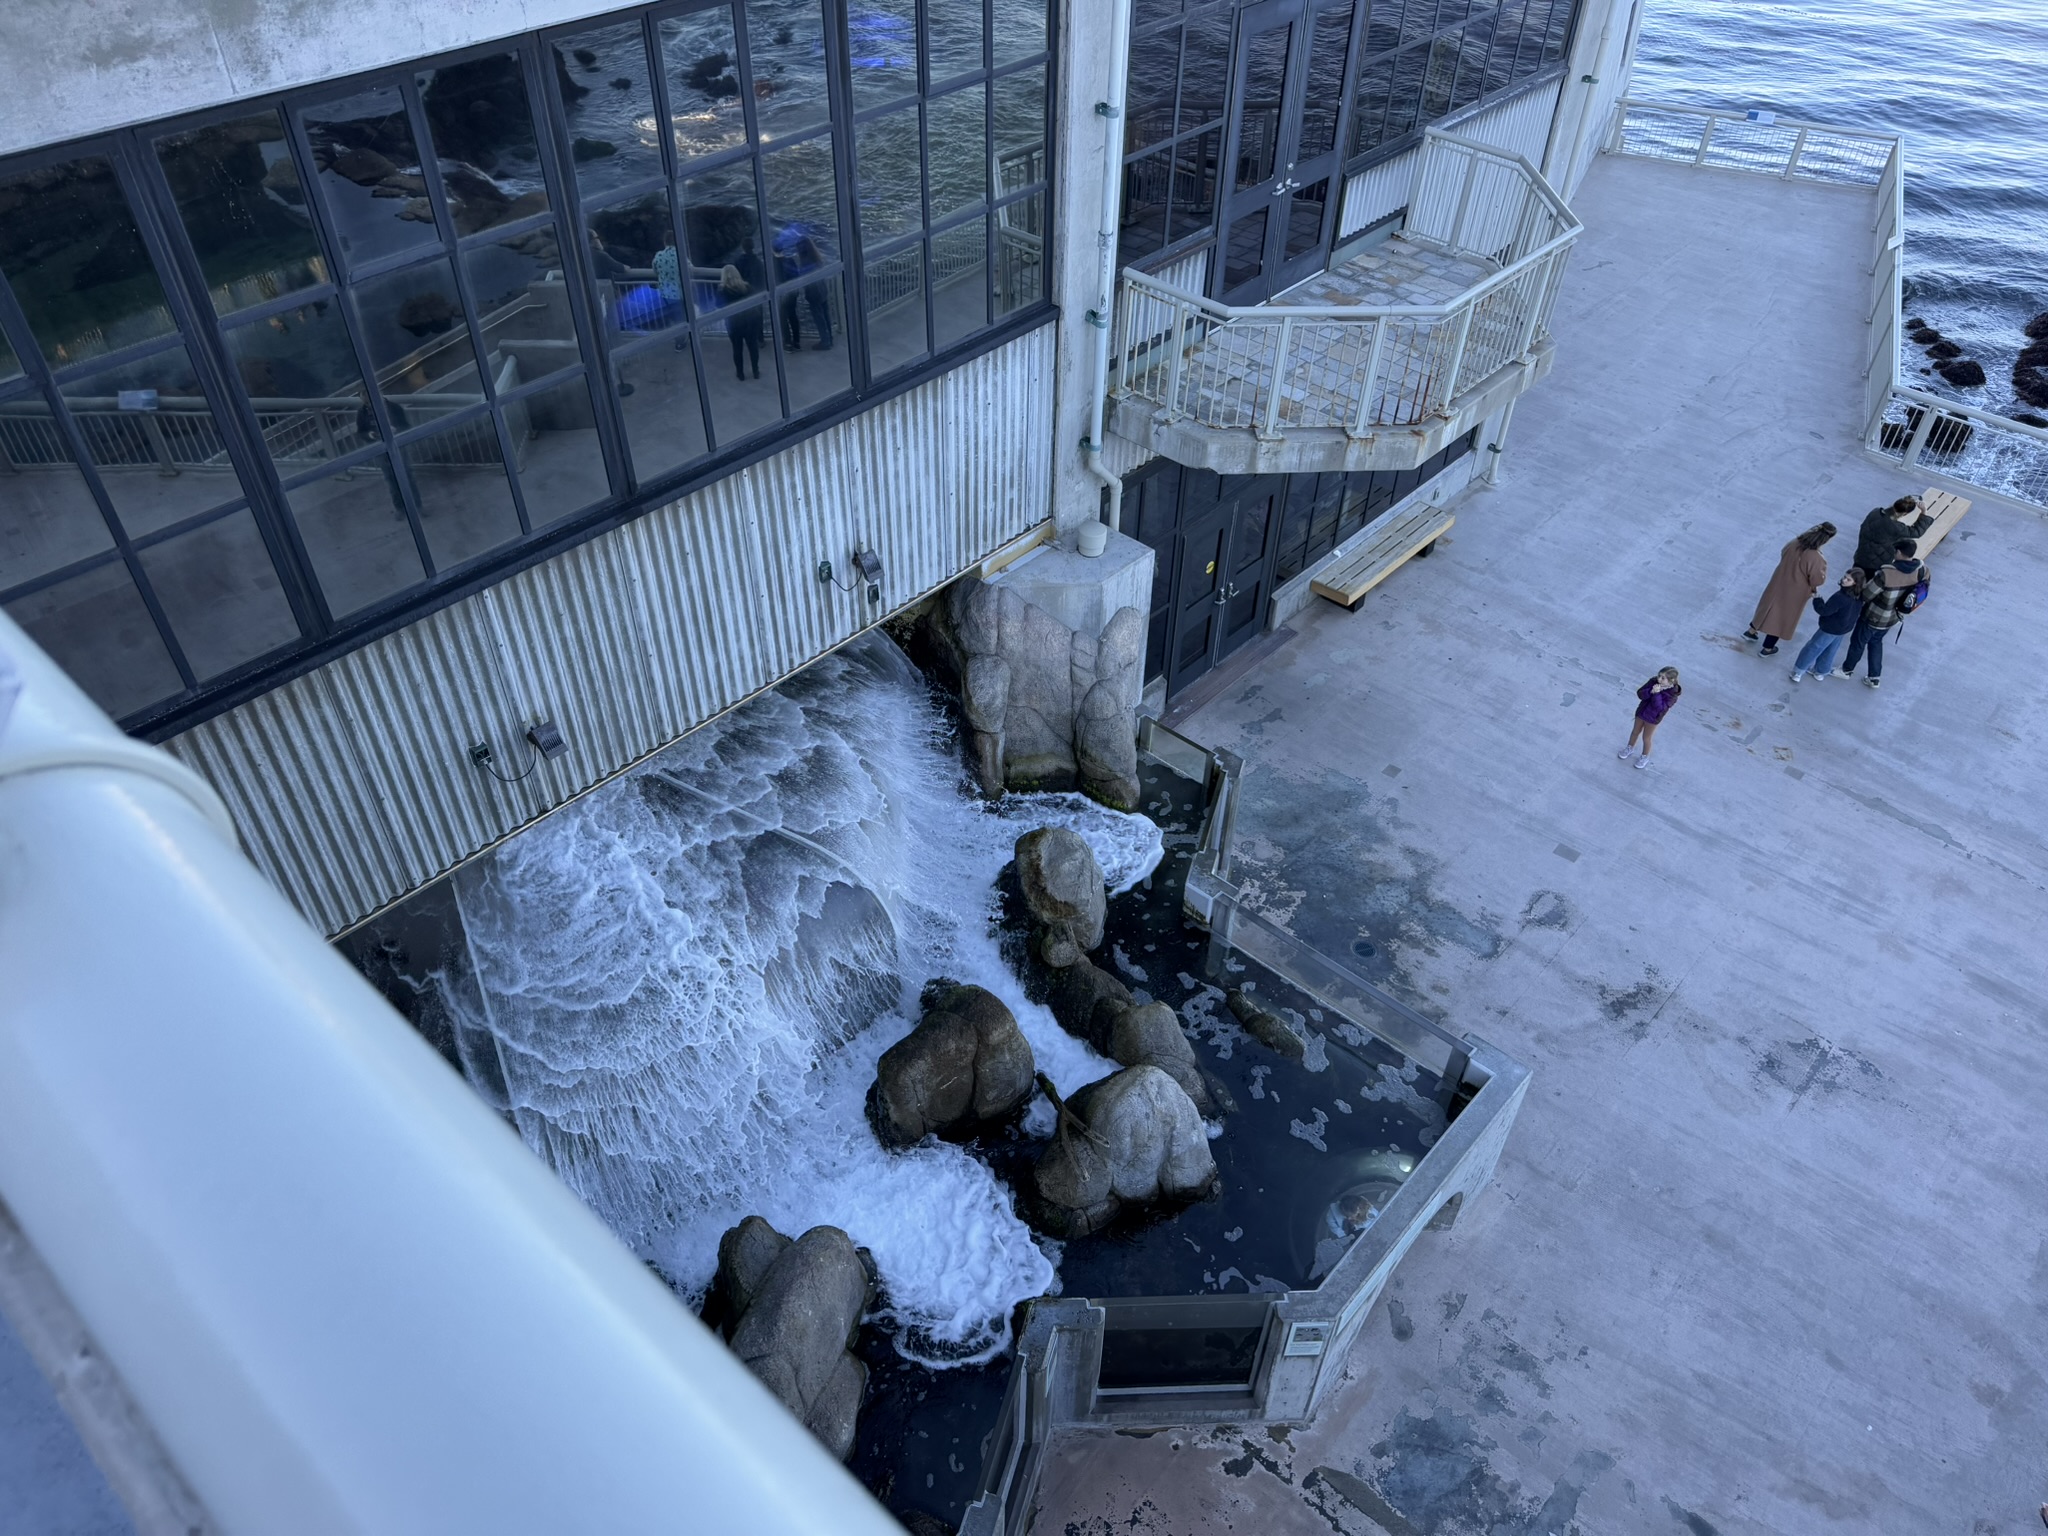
{"type": "Point", "coordinates": [1766, 1253]}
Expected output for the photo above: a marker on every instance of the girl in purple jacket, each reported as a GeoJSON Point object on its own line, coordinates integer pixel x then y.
{"type": "Point", "coordinates": [1657, 696]}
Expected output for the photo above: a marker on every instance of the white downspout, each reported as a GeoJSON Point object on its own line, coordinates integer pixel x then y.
{"type": "Point", "coordinates": [1111, 111]}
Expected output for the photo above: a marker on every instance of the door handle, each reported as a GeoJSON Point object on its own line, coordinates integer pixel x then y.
{"type": "Point", "coordinates": [1226, 592]}
{"type": "Point", "coordinates": [1286, 186]}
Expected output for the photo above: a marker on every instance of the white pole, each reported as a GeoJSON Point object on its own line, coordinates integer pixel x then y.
{"type": "Point", "coordinates": [1111, 109]}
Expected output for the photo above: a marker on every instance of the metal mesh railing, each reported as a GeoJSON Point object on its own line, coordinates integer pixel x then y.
{"type": "Point", "coordinates": [1279, 367]}
{"type": "Point", "coordinates": [1912, 426]}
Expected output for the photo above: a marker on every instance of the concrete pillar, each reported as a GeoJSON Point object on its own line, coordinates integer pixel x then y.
{"type": "Point", "coordinates": [1087, 75]}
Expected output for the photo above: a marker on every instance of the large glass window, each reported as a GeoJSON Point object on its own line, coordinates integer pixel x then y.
{"type": "Point", "coordinates": [950, 170]}
{"type": "Point", "coordinates": [1178, 85]}
{"type": "Point", "coordinates": [128, 547]}
{"type": "Point", "coordinates": [1423, 60]}
{"type": "Point", "coordinates": [1416, 61]}
{"type": "Point", "coordinates": [271, 373]}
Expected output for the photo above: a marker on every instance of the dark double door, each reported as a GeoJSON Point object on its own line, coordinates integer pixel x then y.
{"type": "Point", "coordinates": [1282, 162]}
{"type": "Point", "coordinates": [1215, 539]}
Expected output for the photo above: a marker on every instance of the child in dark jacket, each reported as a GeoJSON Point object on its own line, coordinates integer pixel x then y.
{"type": "Point", "coordinates": [1838, 616]}
{"type": "Point", "coordinates": [1656, 698]}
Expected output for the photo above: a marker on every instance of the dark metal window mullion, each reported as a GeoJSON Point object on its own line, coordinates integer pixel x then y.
{"type": "Point", "coordinates": [751, 118]}
{"type": "Point", "coordinates": [990, 188]}
{"type": "Point", "coordinates": [920, 63]}
{"type": "Point", "coordinates": [301, 149]}
{"type": "Point", "coordinates": [551, 136]}
{"type": "Point", "coordinates": [853, 281]}
{"type": "Point", "coordinates": [207, 345]}
{"type": "Point", "coordinates": [37, 369]}
{"type": "Point", "coordinates": [672, 191]}
{"type": "Point", "coordinates": [444, 223]}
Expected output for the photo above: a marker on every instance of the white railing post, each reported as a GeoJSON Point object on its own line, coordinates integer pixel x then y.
{"type": "Point", "coordinates": [1457, 353]}
{"type": "Point", "coordinates": [1538, 288]}
{"type": "Point", "coordinates": [1457, 241]}
{"type": "Point", "coordinates": [1798, 148]}
{"type": "Point", "coordinates": [1618, 134]}
{"type": "Point", "coordinates": [1918, 440]}
{"type": "Point", "coordinates": [1180, 346]}
{"type": "Point", "coordinates": [1272, 416]}
{"type": "Point", "coordinates": [1364, 417]}
{"type": "Point", "coordinates": [1706, 138]}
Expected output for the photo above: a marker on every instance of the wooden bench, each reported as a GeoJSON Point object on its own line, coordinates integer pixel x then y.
{"type": "Point", "coordinates": [1947, 509]}
{"type": "Point", "coordinates": [1379, 555]}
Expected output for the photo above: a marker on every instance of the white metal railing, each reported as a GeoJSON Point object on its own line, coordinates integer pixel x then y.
{"type": "Point", "coordinates": [1275, 367]}
{"type": "Point", "coordinates": [1902, 422]}
{"type": "Point", "coordinates": [322, 1282]}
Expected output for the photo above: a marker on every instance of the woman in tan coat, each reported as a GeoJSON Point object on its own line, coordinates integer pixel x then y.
{"type": "Point", "coordinates": [1801, 570]}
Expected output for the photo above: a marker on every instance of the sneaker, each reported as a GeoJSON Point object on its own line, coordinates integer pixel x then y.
{"type": "Point", "coordinates": [1626, 753]}
{"type": "Point", "coordinates": [1821, 677]}
{"type": "Point", "coordinates": [1642, 762]}
{"type": "Point", "coordinates": [1796, 674]}
{"type": "Point", "coordinates": [1872, 681]}
{"type": "Point", "coordinates": [1749, 634]}
{"type": "Point", "coordinates": [1769, 650]}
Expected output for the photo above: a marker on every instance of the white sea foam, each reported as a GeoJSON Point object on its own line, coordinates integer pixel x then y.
{"type": "Point", "coordinates": [678, 988]}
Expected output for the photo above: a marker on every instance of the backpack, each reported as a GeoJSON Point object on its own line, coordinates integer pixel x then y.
{"type": "Point", "coordinates": [1913, 599]}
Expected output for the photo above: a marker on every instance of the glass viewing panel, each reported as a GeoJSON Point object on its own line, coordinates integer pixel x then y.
{"type": "Point", "coordinates": [1418, 61]}
{"type": "Point", "coordinates": [373, 335]}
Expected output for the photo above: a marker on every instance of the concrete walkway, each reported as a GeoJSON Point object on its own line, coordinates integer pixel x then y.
{"type": "Point", "coordinates": [1766, 1254]}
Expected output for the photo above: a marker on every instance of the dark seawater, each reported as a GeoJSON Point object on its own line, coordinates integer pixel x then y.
{"type": "Point", "coordinates": [1967, 85]}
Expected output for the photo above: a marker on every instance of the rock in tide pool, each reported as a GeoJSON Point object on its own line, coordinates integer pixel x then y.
{"type": "Point", "coordinates": [1132, 1138]}
{"type": "Point", "coordinates": [965, 1065]}
{"type": "Point", "coordinates": [1063, 892]}
{"type": "Point", "coordinates": [1964, 373]}
{"type": "Point", "coordinates": [1269, 1029]}
{"type": "Point", "coordinates": [803, 1312]}
{"type": "Point", "coordinates": [2037, 328]}
{"type": "Point", "coordinates": [1925, 336]}
{"type": "Point", "coordinates": [1943, 350]}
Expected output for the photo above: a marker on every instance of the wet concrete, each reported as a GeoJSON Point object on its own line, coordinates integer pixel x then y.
{"type": "Point", "coordinates": [1765, 1253]}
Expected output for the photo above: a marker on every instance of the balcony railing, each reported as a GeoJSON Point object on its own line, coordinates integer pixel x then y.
{"type": "Point", "coordinates": [1912, 427]}
{"type": "Point", "coordinates": [1280, 367]}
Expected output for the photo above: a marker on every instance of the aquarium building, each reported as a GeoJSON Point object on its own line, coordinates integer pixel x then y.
{"type": "Point", "coordinates": [380, 386]}
{"type": "Point", "coordinates": [413, 417]}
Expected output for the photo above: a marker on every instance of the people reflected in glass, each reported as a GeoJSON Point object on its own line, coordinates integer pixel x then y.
{"type": "Point", "coordinates": [742, 278]}
{"type": "Point", "coordinates": [797, 252]}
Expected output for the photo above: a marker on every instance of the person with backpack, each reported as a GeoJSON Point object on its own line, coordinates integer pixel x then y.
{"type": "Point", "coordinates": [1838, 615]}
{"type": "Point", "coordinates": [1884, 527]}
{"type": "Point", "coordinates": [1888, 596]}
{"type": "Point", "coordinates": [1802, 568]}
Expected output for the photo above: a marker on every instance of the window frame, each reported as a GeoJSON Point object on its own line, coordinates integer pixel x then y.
{"type": "Point", "coordinates": [265, 488]}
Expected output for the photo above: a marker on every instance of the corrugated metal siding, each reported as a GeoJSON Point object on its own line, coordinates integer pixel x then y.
{"type": "Point", "coordinates": [1521, 123]}
{"type": "Point", "coordinates": [1373, 194]}
{"type": "Point", "coordinates": [352, 785]}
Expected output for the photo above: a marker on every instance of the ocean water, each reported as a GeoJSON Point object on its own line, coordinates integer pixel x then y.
{"type": "Point", "coordinates": [678, 987]}
{"type": "Point", "coordinates": [1968, 86]}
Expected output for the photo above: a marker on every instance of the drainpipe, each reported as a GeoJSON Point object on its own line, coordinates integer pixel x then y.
{"type": "Point", "coordinates": [1111, 111]}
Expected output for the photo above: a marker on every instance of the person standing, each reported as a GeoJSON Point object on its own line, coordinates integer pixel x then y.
{"type": "Point", "coordinates": [1801, 570]}
{"type": "Point", "coordinates": [1655, 699]}
{"type": "Point", "coordinates": [742, 278]}
{"type": "Point", "coordinates": [796, 253]}
{"type": "Point", "coordinates": [1838, 615]}
{"type": "Point", "coordinates": [1884, 527]}
{"type": "Point", "coordinates": [1887, 598]}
